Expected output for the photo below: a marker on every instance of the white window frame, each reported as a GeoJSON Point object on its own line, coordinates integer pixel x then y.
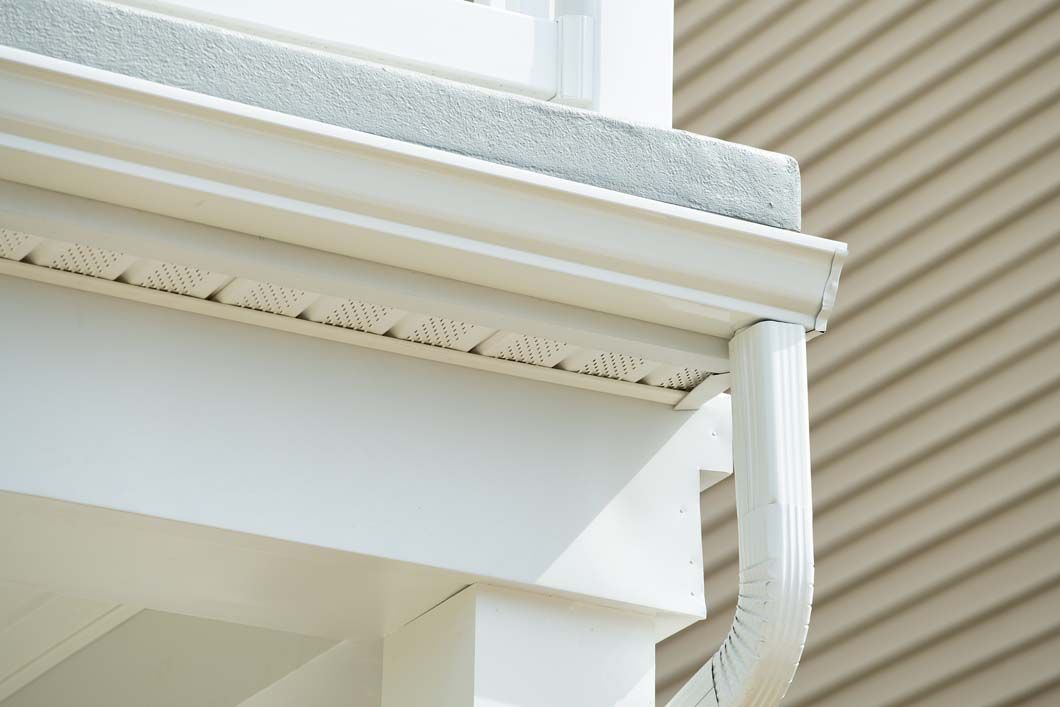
{"type": "Point", "coordinates": [612, 56]}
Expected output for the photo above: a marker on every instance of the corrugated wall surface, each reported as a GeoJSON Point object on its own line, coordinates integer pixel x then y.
{"type": "Point", "coordinates": [929, 139]}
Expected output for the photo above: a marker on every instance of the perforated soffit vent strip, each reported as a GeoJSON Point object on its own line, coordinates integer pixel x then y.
{"type": "Point", "coordinates": [668, 381]}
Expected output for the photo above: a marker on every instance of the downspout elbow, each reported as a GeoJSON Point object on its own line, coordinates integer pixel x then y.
{"type": "Point", "coordinates": [771, 459]}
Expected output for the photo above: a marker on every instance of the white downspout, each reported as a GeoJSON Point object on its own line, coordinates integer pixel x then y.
{"type": "Point", "coordinates": [771, 461]}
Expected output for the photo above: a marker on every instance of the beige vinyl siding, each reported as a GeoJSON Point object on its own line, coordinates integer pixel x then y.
{"type": "Point", "coordinates": [929, 139]}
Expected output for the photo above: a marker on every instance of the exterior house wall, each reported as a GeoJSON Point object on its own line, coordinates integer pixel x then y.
{"type": "Point", "coordinates": [922, 129]}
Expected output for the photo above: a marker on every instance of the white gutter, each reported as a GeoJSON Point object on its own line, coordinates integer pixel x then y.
{"type": "Point", "coordinates": [771, 461]}
{"type": "Point", "coordinates": [143, 145]}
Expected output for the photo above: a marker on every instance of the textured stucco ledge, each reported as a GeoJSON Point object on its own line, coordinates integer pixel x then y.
{"type": "Point", "coordinates": [666, 165]}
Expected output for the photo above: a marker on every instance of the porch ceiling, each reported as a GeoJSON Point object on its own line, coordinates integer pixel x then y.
{"type": "Point", "coordinates": [63, 651]}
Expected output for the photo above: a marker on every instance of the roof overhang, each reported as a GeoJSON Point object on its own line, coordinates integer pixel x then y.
{"type": "Point", "coordinates": [482, 238]}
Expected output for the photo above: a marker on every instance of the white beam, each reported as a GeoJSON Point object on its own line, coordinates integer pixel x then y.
{"type": "Point", "coordinates": [242, 428]}
{"type": "Point", "coordinates": [347, 675]}
{"type": "Point", "coordinates": [110, 557]}
{"type": "Point", "coordinates": [489, 646]}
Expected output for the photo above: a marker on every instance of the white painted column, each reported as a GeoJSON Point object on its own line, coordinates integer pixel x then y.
{"type": "Point", "coordinates": [496, 647]}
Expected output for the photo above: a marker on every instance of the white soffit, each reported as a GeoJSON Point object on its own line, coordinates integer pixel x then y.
{"type": "Point", "coordinates": [418, 335]}
{"type": "Point", "coordinates": [506, 231]}
{"type": "Point", "coordinates": [72, 242]}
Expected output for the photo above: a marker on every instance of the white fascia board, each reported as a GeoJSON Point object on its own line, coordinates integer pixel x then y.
{"type": "Point", "coordinates": [138, 144]}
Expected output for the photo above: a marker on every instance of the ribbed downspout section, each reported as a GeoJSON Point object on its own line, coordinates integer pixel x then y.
{"type": "Point", "coordinates": [771, 460]}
